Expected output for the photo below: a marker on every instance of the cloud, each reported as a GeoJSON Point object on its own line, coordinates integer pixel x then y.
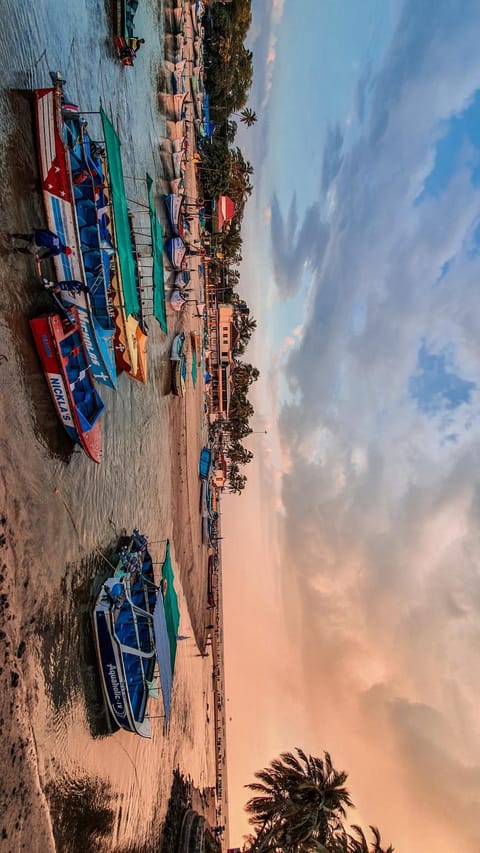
{"type": "Point", "coordinates": [295, 248]}
{"type": "Point", "coordinates": [381, 499]}
{"type": "Point", "coordinates": [435, 387]}
{"type": "Point", "coordinates": [262, 41]}
{"type": "Point", "coordinates": [361, 94]}
{"type": "Point", "coordinates": [332, 156]}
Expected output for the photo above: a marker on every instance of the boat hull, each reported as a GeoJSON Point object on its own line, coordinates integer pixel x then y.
{"type": "Point", "coordinates": [123, 620]}
{"type": "Point", "coordinates": [56, 346]}
{"type": "Point", "coordinates": [179, 374]}
{"type": "Point", "coordinates": [175, 250]}
{"type": "Point", "coordinates": [173, 204]}
{"type": "Point", "coordinates": [113, 676]}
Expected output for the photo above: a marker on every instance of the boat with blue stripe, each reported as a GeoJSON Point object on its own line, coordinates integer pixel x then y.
{"type": "Point", "coordinates": [60, 346]}
{"type": "Point", "coordinates": [59, 197]}
{"type": "Point", "coordinates": [135, 626]}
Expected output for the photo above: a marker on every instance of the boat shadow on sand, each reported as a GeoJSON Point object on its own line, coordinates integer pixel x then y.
{"type": "Point", "coordinates": [67, 647]}
{"type": "Point", "coordinates": [82, 815]}
{"type": "Point", "coordinates": [45, 422]}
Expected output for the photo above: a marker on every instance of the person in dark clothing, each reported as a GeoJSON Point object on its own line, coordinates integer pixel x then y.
{"type": "Point", "coordinates": [63, 286]}
{"type": "Point", "coordinates": [41, 243]}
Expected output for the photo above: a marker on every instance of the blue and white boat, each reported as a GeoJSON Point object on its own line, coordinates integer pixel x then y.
{"type": "Point", "coordinates": [89, 178]}
{"type": "Point", "coordinates": [132, 637]}
{"type": "Point", "coordinates": [59, 199]}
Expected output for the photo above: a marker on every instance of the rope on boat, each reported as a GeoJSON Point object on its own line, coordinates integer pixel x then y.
{"type": "Point", "coordinates": [101, 554]}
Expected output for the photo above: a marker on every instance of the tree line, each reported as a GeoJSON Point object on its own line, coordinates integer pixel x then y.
{"type": "Point", "coordinates": [225, 171]}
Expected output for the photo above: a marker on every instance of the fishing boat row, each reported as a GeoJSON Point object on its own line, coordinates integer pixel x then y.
{"type": "Point", "coordinates": [100, 281]}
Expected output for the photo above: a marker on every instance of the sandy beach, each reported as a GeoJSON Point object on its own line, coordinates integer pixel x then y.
{"type": "Point", "coordinates": [58, 513]}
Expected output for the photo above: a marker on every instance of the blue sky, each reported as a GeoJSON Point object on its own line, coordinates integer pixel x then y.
{"type": "Point", "coordinates": [362, 266]}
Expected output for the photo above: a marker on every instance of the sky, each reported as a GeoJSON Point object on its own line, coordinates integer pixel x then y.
{"type": "Point", "coordinates": [351, 562]}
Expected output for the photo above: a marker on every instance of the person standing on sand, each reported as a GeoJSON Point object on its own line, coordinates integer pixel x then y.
{"type": "Point", "coordinates": [41, 243]}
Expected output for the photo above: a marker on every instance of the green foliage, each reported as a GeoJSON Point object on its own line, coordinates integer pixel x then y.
{"type": "Point", "coordinates": [225, 171]}
{"type": "Point", "coordinates": [300, 805]}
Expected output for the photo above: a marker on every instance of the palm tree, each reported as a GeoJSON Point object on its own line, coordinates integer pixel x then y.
{"type": "Point", "coordinates": [248, 116]}
{"type": "Point", "coordinates": [246, 327]}
{"type": "Point", "coordinates": [359, 844]}
{"type": "Point", "coordinates": [299, 804]}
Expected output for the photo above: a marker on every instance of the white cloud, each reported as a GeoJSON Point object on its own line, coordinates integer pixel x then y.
{"type": "Point", "coordinates": [381, 510]}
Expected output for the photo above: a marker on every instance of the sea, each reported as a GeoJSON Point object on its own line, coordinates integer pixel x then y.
{"type": "Point", "coordinates": [67, 783]}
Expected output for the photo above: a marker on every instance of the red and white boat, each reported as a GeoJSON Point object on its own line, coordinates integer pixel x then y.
{"type": "Point", "coordinates": [64, 359]}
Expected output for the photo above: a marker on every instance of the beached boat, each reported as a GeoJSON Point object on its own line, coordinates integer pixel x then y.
{"type": "Point", "coordinates": [175, 76]}
{"type": "Point", "coordinates": [178, 300]}
{"type": "Point", "coordinates": [204, 463]}
{"type": "Point", "coordinates": [60, 207]}
{"type": "Point", "coordinates": [174, 20]}
{"type": "Point", "coordinates": [179, 377]}
{"type": "Point", "coordinates": [177, 185]}
{"type": "Point", "coordinates": [173, 205]}
{"type": "Point", "coordinates": [173, 44]}
{"type": "Point", "coordinates": [178, 345]}
{"type": "Point", "coordinates": [212, 580]}
{"type": "Point", "coordinates": [176, 250]}
{"type": "Point", "coordinates": [176, 129]}
{"type": "Point", "coordinates": [179, 365]}
{"type": "Point", "coordinates": [172, 105]}
{"type": "Point", "coordinates": [127, 283]}
{"type": "Point", "coordinates": [174, 145]}
{"type": "Point", "coordinates": [135, 628]}
{"type": "Point", "coordinates": [123, 29]}
{"type": "Point", "coordinates": [174, 163]}
{"type": "Point", "coordinates": [92, 207]}
{"type": "Point", "coordinates": [65, 362]}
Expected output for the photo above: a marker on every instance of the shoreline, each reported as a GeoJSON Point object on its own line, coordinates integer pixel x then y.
{"type": "Point", "coordinates": [196, 578]}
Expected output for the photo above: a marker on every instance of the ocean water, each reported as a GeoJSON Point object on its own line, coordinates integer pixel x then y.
{"type": "Point", "coordinates": [66, 783]}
